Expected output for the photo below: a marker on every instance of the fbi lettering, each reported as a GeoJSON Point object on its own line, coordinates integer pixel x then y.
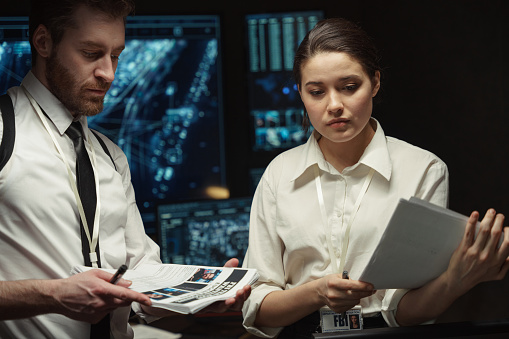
{"type": "Point", "coordinates": [339, 321]}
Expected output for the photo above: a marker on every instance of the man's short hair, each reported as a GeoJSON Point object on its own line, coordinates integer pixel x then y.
{"type": "Point", "coordinates": [58, 15]}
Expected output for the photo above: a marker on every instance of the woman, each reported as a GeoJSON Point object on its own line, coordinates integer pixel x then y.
{"type": "Point", "coordinates": [354, 321]}
{"type": "Point", "coordinates": [322, 207]}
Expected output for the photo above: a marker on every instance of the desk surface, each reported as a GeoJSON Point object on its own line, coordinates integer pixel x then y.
{"type": "Point", "coordinates": [485, 329]}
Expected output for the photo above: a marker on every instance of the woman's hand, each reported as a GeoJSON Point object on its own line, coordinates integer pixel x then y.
{"type": "Point", "coordinates": [342, 294]}
{"type": "Point", "coordinates": [479, 258]}
{"type": "Point", "coordinates": [284, 307]}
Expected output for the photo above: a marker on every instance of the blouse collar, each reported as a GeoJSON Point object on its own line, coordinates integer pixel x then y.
{"type": "Point", "coordinates": [375, 156]}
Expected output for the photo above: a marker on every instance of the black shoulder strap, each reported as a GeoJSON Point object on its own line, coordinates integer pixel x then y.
{"type": "Point", "coordinates": [103, 145]}
{"type": "Point", "coordinates": [9, 131]}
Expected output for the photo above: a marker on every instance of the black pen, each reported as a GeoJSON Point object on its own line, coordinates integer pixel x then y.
{"type": "Point", "coordinates": [120, 272]}
{"type": "Point", "coordinates": [345, 276]}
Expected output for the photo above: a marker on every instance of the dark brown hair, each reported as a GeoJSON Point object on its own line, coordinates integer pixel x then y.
{"type": "Point", "coordinates": [58, 15]}
{"type": "Point", "coordinates": [336, 35]}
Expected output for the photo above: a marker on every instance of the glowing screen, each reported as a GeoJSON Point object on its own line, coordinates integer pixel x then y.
{"type": "Point", "coordinates": [164, 108]}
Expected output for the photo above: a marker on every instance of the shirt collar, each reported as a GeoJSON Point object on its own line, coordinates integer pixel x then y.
{"type": "Point", "coordinates": [52, 107]}
{"type": "Point", "coordinates": [375, 156]}
{"type": "Point", "coordinates": [311, 155]}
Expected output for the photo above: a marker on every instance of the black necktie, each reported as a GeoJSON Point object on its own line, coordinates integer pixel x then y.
{"type": "Point", "coordinates": [86, 188]}
{"type": "Point", "coordinates": [85, 181]}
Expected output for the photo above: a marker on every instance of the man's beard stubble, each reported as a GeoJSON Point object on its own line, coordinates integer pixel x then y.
{"type": "Point", "coordinates": [67, 88]}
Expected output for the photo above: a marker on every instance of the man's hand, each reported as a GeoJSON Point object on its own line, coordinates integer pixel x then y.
{"type": "Point", "coordinates": [89, 296]}
{"type": "Point", "coordinates": [230, 304]}
{"type": "Point", "coordinates": [233, 262]}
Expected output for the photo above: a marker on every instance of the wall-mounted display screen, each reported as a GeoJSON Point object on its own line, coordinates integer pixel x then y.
{"type": "Point", "coordinates": [207, 232]}
{"type": "Point", "coordinates": [164, 109]}
{"type": "Point", "coordinates": [274, 103]}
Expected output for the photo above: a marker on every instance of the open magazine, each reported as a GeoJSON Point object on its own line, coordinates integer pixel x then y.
{"type": "Point", "coordinates": [185, 288]}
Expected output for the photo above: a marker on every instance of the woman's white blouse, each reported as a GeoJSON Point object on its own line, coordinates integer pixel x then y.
{"type": "Point", "coordinates": [287, 241]}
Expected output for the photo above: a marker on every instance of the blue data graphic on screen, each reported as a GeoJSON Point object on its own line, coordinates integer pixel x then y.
{"type": "Point", "coordinates": [207, 232]}
{"type": "Point", "coordinates": [164, 108]}
{"type": "Point", "coordinates": [15, 55]}
{"type": "Point", "coordinates": [274, 102]}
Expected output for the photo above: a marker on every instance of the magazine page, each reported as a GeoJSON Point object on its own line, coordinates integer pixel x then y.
{"type": "Point", "coordinates": [185, 288]}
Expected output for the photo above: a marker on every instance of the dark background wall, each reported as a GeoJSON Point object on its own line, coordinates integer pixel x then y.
{"type": "Point", "coordinates": [445, 88]}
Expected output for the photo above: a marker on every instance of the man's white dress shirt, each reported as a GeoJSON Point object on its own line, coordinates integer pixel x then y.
{"type": "Point", "coordinates": [287, 240]}
{"type": "Point", "coordinates": [39, 220]}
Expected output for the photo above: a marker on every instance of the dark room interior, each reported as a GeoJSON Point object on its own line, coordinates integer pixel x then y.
{"type": "Point", "coordinates": [445, 88]}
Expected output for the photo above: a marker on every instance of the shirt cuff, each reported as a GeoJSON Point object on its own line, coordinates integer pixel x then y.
{"type": "Point", "coordinates": [250, 310]}
{"type": "Point", "coordinates": [390, 305]}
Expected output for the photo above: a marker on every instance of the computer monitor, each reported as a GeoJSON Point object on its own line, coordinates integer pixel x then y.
{"type": "Point", "coordinates": [15, 55]}
{"type": "Point", "coordinates": [206, 232]}
{"type": "Point", "coordinates": [274, 103]}
{"type": "Point", "coordinates": [164, 109]}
